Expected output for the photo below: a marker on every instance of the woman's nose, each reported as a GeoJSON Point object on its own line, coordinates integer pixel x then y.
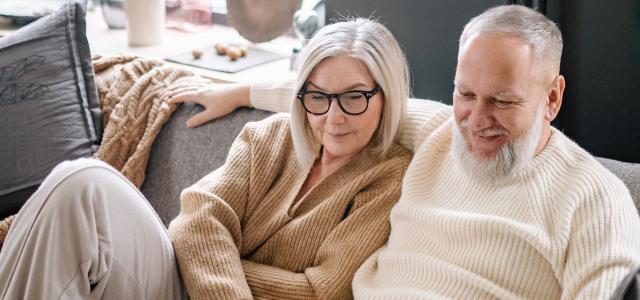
{"type": "Point", "coordinates": [335, 115]}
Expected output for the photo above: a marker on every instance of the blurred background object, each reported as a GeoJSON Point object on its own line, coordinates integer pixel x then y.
{"type": "Point", "coordinates": [113, 13]}
{"type": "Point", "coordinates": [145, 22]}
{"type": "Point", "coordinates": [189, 15]}
{"type": "Point", "coordinates": [306, 22]}
{"type": "Point", "coordinates": [261, 20]}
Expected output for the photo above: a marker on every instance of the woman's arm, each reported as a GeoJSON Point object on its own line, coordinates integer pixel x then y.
{"type": "Point", "coordinates": [207, 234]}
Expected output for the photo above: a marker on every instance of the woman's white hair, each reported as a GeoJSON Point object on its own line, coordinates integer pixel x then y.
{"type": "Point", "coordinates": [540, 33]}
{"type": "Point", "coordinates": [372, 44]}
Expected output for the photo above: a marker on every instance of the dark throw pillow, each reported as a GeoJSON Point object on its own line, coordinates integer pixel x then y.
{"type": "Point", "coordinates": [49, 108]}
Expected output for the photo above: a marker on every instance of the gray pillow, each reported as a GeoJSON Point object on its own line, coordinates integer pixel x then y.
{"type": "Point", "coordinates": [49, 108]}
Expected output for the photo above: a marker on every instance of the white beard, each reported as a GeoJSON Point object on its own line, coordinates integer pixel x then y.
{"type": "Point", "coordinates": [508, 160]}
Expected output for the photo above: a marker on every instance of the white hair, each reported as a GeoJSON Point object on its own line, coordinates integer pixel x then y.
{"type": "Point", "coordinates": [373, 45]}
{"type": "Point", "coordinates": [511, 158]}
{"type": "Point", "coordinates": [536, 30]}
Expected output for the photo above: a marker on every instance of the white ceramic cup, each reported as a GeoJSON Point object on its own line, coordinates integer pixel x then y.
{"type": "Point", "coordinates": [145, 21]}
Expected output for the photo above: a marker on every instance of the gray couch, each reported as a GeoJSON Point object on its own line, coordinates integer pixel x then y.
{"type": "Point", "coordinates": [180, 156]}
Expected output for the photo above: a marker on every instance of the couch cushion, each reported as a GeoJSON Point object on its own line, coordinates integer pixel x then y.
{"type": "Point", "coordinates": [181, 156]}
{"type": "Point", "coordinates": [629, 173]}
{"type": "Point", "coordinates": [49, 108]}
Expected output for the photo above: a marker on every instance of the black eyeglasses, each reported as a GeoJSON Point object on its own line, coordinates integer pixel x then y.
{"type": "Point", "coordinates": [351, 102]}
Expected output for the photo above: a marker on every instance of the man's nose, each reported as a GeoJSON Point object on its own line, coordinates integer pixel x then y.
{"type": "Point", "coordinates": [480, 116]}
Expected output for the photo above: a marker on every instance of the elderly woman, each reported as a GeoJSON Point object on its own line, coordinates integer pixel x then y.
{"type": "Point", "coordinates": [304, 199]}
{"type": "Point", "coordinates": [300, 203]}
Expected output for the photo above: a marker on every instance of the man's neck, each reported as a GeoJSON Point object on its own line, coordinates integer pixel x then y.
{"type": "Point", "coordinates": [544, 137]}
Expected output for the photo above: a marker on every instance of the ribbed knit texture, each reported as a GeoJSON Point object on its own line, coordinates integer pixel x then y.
{"type": "Point", "coordinates": [263, 95]}
{"type": "Point", "coordinates": [134, 107]}
{"type": "Point", "coordinates": [565, 227]}
{"type": "Point", "coordinates": [240, 234]}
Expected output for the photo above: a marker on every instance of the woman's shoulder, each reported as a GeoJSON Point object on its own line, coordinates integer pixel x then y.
{"type": "Point", "coordinates": [398, 152]}
{"type": "Point", "coordinates": [397, 156]}
{"type": "Point", "coordinates": [275, 120]}
{"type": "Point", "coordinates": [270, 127]}
{"type": "Point", "coordinates": [391, 165]}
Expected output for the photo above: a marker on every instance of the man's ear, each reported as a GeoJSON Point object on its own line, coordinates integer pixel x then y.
{"type": "Point", "coordinates": [554, 98]}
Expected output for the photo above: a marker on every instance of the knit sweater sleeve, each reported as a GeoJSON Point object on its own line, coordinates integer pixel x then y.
{"type": "Point", "coordinates": [604, 244]}
{"type": "Point", "coordinates": [206, 235]}
{"type": "Point", "coordinates": [423, 116]}
{"type": "Point", "coordinates": [270, 96]}
{"type": "Point", "coordinates": [364, 229]}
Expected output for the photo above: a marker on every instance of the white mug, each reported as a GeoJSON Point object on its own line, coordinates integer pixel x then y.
{"type": "Point", "coordinates": [145, 21]}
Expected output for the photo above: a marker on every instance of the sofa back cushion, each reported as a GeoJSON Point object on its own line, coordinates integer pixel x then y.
{"type": "Point", "coordinates": [181, 155]}
{"type": "Point", "coordinates": [49, 108]}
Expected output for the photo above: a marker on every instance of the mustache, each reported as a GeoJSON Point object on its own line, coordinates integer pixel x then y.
{"type": "Point", "coordinates": [488, 132]}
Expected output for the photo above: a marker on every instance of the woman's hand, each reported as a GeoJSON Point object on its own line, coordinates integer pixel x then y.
{"type": "Point", "coordinates": [218, 99]}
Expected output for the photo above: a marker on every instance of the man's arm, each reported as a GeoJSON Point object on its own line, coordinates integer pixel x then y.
{"type": "Point", "coordinates": [604, 244]}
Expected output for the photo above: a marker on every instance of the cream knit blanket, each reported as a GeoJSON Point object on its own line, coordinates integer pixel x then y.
{"type": "Point", "coordinates": [134, 106]}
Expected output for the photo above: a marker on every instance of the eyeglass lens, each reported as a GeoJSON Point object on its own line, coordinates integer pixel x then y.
{"type": "Point", "coordinates": [352, 103]}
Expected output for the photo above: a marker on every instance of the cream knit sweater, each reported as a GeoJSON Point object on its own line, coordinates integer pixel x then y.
{"type": "Point", "coordinates": [564, 228]}
{"type": "Point", "coordinates": [240, 234]}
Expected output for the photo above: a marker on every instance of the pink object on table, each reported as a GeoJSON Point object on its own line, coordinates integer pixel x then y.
{"type": "Point", "coordinates": [189, 15]}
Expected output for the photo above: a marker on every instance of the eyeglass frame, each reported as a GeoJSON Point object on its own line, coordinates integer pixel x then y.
{"type": "Point", "coordinates": [367, 95]}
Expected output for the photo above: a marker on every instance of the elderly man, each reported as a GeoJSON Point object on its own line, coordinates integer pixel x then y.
{"type": "Point", "coordinates": [496, 203]}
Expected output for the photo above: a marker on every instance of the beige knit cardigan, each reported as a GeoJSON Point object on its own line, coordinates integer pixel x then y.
{"type": "Point", "coordinates": [134, 106]}
{"type": "Point", "coordinates": [242, 231]}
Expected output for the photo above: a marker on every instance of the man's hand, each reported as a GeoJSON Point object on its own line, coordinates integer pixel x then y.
{"type": "Point", "coordinates": [218, 99]}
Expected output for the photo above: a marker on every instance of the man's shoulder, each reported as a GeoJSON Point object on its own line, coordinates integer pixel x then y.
{"type": "Point", "coordinates": [580, 169]}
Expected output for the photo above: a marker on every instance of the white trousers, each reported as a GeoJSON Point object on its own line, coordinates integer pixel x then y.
{"type": "Point", "coordinates": [88, 233]}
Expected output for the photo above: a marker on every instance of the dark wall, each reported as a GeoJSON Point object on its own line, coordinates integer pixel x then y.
{"type": "Point", "coordinates": [601, 60]}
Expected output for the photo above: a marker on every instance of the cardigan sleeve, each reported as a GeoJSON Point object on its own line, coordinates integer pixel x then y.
{"type": "Point", "coordinates": [364, 229]}
{"type": "Point", "coordinates": [423, 116]}
{"type": "Point", "coordinates": [206, 235]}
{"type": "Point", "coordinates": [604, 245]}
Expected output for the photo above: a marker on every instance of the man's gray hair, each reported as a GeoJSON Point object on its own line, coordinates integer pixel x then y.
{"type": "Point", "coordinates": [542, 34]}
{"type": "Point", "coordinates": [372, 44]}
